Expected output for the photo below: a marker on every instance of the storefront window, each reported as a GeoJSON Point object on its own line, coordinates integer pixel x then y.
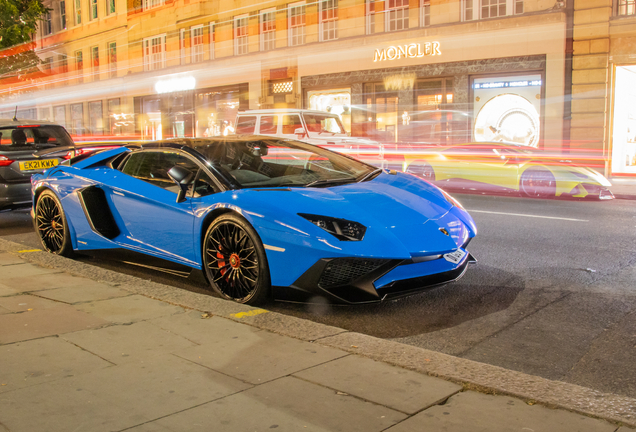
{"type": "Point", "coordinates": [624, 127]}
{"type": "Point", "coordinates": [334, 101]}
{"type": "Point", "coordinates": [434, 118]}
{"type": "Point", "coordinates": [216, 109]}
{"type": "Point", "coordinates": [382, 113]}
{"type": "Point", "coordinates": [96, 117]}
{"type": "Point", "coordinates": [506, 109]}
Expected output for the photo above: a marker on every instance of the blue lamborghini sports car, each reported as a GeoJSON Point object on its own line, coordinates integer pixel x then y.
{"type": "Point", "coordinates": [261, 217]}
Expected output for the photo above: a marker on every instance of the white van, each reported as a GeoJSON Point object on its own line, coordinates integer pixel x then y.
{"type": "Point", "coordinates": [313, 127]}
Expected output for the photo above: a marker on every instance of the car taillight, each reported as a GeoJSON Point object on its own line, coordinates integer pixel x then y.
{"type": "Point", "coordinates": [5, 161]}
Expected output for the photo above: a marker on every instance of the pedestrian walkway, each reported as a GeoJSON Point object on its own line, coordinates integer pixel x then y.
{"type": "Point", "coordinates": [623, 187]}
{"type": "Point", "coordinates": [87, 349]}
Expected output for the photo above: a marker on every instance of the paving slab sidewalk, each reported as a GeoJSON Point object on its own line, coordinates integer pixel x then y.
{"type": "Point", "coordinates": [91, 350]}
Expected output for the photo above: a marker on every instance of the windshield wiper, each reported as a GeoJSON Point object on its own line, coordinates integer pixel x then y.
{"type": "Point", "coordinates": [370, 175]}
{"type": "Point", "coordinates": [328, 181]}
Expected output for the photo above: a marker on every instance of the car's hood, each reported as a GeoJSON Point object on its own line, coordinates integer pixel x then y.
{"type": "Point", "coordinates": [392, 207]}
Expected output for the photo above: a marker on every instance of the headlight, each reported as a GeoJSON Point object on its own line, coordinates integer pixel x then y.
{"type": "Point", "coordinates": [341, 229]}
{"type": "Point", "coordinates": [452, 200]}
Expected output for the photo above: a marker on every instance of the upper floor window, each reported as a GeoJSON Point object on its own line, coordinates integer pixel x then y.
{"type": "Point", "coordinates": [626, 7]}
{"type": "Point", "coordinates": [328, 20]}
{"type": "Point", "coordinates": [47, 27]}
{"type": "Point", "coordinates": [425, 13]}
{"type": "Point", "coordinates": [112, 60]}
{"type": "Point", "coordinates": [241, 42]}
{"type": "Point", "coordinates": [397, 15]}
{"type": "Point", "coordinates": [79, 65]}
{"type": "Point", "coordinates": [78, 12]}
{"type": "Point", "coordinates": [297, 24]}
{"type": "Point", "coordinates": [196, 46]}
{"type": "Point", "coordinates": [154, 52]}
{"type": "Point", "coordinates": [482, 9]}
{"type": "Point", "coordinates": [110, 7]}
{"type": "Point", "coordinates": [63, 64]}
{"type": "Point", "coordinates": [95, 62]}
{"type": "Point", "coordinates": [211, 40]}
{"type": "Point", "coordinates": [93, 9]}
{"type": "Point", "coordinates": [268, 30]}
{"type": "Point", "coordinates": [370, 16]}
{"type": "Point", "coordinates": [63, 15]}
{"type": "Point", "coordinates": [149, 4]}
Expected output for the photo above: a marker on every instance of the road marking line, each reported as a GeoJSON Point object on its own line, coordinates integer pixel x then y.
{"type": "Point", "coordinates": [249, 314]}
{"type": "Point", "coordinates": [525, 215]}
{"type": "Point", "coordinates": [30, 250]}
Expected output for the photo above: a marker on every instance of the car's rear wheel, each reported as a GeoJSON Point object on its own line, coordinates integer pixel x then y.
{"type": "Point", "coordinates": [234, 261]}
{"type": "Point", "coordinates": [423, 170]}
{"type": "Point", "coordinates": [538, 184]}
{"type": "Point", "coordinates": [51, 225]}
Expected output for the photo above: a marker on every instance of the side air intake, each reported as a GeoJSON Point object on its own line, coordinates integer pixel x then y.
{"type": "Point", "coordinates": [98, 212]}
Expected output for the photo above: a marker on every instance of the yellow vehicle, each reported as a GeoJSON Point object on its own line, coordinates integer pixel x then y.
{"type": "Point", "coordinates": [497, 167]}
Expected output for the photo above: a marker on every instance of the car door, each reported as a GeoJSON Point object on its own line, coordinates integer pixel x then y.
{"type": "Point", "coordinates": [144, 201]}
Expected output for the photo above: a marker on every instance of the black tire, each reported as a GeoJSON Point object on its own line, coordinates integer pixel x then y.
{"type": "Point", "coordinates": [422, 170]}
{"type": "Point", "coordinates": [537, 183]}
{"type": "Point", "coordinates": [51, 225]}
{"type": "Point", "coordinates": [234, 261]}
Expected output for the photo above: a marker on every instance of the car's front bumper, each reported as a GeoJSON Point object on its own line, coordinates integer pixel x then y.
{"type": "Point", "coordinates": [361, 280]}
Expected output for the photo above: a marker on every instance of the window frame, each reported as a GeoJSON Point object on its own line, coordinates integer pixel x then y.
{"type": "Point", "coordinates": [94, 50]}
{"type": "Point", "coordinates": [395, 15]}
{"type": "Point", "coordinates": [112, 65]}
{"type": "Point", "coordinates": [151, 4]}
{"type": "Point", "coordinates": [92, 10]}
{"type": "Point", "coordinates": [211, 35]}
{"type": "Point", "coordinates": [111, 7]}
{"type": "Point", "coordinates": [47, 24]}
{"type": "Point", "coordinates": [267, 37]}
{"type": "Point", "coordinates": [328, 20]}
{"type": "Point", "coordinates": [241, 40]}
{"type": "Point", "coordinates": [149, 59]}
{"type": "Point", "coordinates": [425, 13]}
{"type": "Point", "coordinates": [627, 5]}
{"type": "Point", "coordinates": [62, 10]}
{"type": "Point", "coordinates": [475, 7]}
{"type": "Point", "coordinates": [369, 16]}
{"type": "Point", "coordinates": [79, 65]}
{"type": "Point", "coordinates": [196, 50]}
{"type": "Point", "coordinates": [296, 33]}
{"type": "Point", "coordinates": [78, 12]}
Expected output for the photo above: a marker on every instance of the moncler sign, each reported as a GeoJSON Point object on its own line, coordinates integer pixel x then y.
{"type": "Point", "coordinates": [413, 50]}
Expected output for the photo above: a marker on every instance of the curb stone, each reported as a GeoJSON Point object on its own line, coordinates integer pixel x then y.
{"type": "Point", "coordinates": [471, 374]}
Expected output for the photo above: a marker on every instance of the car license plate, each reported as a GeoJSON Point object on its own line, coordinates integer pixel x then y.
{"type": "Point", "coordinates": [455, 257]}
{"type": "Point", "coordinates": [38, 164]}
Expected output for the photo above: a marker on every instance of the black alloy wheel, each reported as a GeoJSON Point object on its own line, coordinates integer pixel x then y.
{"type": "Point", "coordinates": [51, 226]}
{"type": "Point", "coordinates": [422, 170]}
{"type": "Point", "coordinates": [538, 184]}
{"type": "Point", "coordinates": [235, 262]}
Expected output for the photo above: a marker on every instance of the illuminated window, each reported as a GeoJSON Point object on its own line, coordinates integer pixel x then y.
{"type": "Point", "coordinates": [79, 66]}
{"type": "Point", "coordinates": [483, 9]}
{"type": "Point", "coordinates": [78, 12]}
{"type": "Point", "coordinates": [95, 63]}
{"type": "Point", "coordinates": [182, 48]}
{"type": "Point", "coordinates": [63, 15]}
{"type": "Point", "coordinates": [149, 4]}
{"type": "Point", "coordinates": [93, 9]}
{"type": "Point", "coordinates": [297, 24]}
{"type": "Point", "coordinates": [196, 48]}
{"type": "Point", "coordinates": [328, 20]}
{"type": "Point", "coordinates": [110, 7]}
{"type": "Point", "coordinates": [268, 30]}
{"type": "Point", "coordinates": [626, 7]}
{"type": "Point", "coordinates": [112, 60]}
{"type": "Point", "coordinates": [370, 16]}
{"type": "Point", "coordinates": [425, 13]}
{"type": "Point", "coordinates": [282, 87]}
{"type": "Point", "coordinates": [154, 52]}
{"type": "Point", "coordinates": [397, 15]}
{"type": "Point", "coordinates": [241, 38]}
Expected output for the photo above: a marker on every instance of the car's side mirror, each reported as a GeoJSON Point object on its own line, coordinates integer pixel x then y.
{"type": "Point", "coordinates": [300, 132]}
{"type": "Point", "coordinates": [182, 177]}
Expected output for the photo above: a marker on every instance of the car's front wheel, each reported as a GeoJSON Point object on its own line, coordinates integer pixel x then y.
{"type": "Point", "coordinates": [234, 261]}
{"type": "Point", "coordinates": [51, 225]}
{"type": "Point", "coordinates": [538, 184]}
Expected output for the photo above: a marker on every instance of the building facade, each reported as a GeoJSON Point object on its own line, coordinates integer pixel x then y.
{"type": "Point", "coordinates": [399, 71]}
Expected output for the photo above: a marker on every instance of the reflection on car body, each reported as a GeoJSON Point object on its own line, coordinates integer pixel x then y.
{"type": "Point", "coordinates": [498, 167]}
{"type": "Point", "coordinates": [261, 217]}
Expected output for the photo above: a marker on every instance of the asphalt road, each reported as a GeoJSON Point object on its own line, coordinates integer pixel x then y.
{"type": "Point", "coordinates": [553, 294]}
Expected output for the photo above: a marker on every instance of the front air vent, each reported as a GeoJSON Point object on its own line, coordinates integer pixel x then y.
{"type": "Point", "coordinates": [341, 271]}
